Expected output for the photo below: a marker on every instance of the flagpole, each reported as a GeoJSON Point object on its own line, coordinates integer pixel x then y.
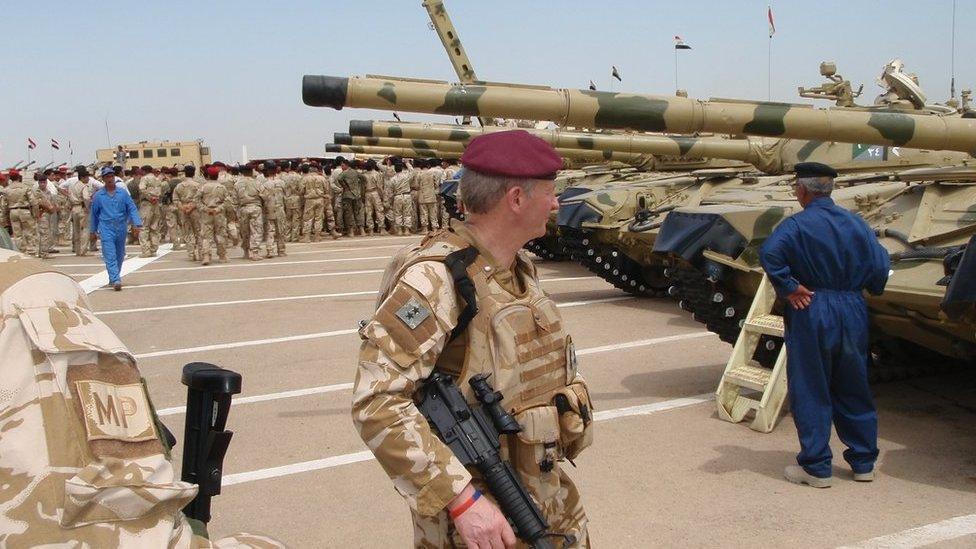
{"type": "Point", "coordinates": [676, 69]}
{"type": "Point", "coordinates": [769, 70]}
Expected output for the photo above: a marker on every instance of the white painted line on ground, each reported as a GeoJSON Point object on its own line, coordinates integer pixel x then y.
{"type": "Point", "coordinates": [643, 343]}
{"type": "Point", "coordinates": [251, 343]}
{"type": "Point", "coordinates": [923, 535]}
{"type": "Point", "coordinates": [645, 409]}
{"type": "Point", "coordinates": [284, 263]}
{"type": "Point", "coordinates": [251, 279]}
{"type": "Point", "coordinates": [294, 468]}
{"type": "Point", "coordinates": [318, 296]}
{"type": "Point", "coordinates": [622, 412]}
{"type": "Point", "coordinates": [360, 249]}
{"type": "Point", "coordinates": [320, 335]}
{"type": "Point", "coordinates": [356, 457]}
{"type": "Point", "coordinates": [129, 266]}
{"type": "Point", "coordinates": [272, 396]}
{"type": "Point", "coordinates": [236, 302]}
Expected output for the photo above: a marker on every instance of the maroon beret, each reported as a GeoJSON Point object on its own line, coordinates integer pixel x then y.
{"type": "Point", "coordinates": [515, 153]}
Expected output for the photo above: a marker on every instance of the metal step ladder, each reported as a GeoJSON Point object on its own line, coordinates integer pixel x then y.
{"type": "Point", "coordinates": [746, 386]}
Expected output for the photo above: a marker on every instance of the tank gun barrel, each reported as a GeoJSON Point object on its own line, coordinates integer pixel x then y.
{"type": "Point", "coordinates": [608, 110]}
{"type": "Point", "coordinates": [444, 147]}
{"type": "Point", "coordinates": [391, 151]}
{"type": "Point", "coordinates": [691, 147]}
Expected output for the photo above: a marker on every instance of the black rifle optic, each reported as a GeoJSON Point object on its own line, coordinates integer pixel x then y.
{"type": "Point", "coordinates": [472, 433]}
{"type": "Point", "coordinates": [208, 395]}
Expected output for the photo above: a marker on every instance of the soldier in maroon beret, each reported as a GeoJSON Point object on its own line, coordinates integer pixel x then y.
{"type": "Point", "coordinates": [467, 302]}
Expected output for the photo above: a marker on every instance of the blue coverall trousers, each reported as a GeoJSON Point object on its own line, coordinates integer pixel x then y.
{"type": "Point", "coordinates": [113, 248]}
{"type": "Point", "coordinates": [827, 359]}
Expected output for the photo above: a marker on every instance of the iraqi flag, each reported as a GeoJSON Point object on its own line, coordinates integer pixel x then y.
{"type": "Point", "coordinates": [772, 23]}
{"type": "Point", "coordinates": [31, 144]}
{"type": "Point", "coordinates": [55, 145]}
{"type": "Point", "coordinates": [679, 44]}
{"type": "Point", "coordinates": [592, 86]}
{"type": "Point", "coordinates": [615, 73]}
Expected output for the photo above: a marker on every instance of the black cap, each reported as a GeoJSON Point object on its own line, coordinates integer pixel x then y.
{"type": "Point", "coordinates": [189, 171]}
{"type": "Point", "coordinates": [268, 165]}
{"type": "Point", "coordinates": [814, 169]}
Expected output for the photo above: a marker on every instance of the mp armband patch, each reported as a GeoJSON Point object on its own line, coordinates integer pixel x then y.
{"type": "Point", "coordinates": [116, 412]}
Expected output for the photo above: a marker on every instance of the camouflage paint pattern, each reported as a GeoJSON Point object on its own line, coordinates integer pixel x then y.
{"type": "Point", "coordinates": [609, 110]}
{"type": "Point", "coordinates": [771, 156]}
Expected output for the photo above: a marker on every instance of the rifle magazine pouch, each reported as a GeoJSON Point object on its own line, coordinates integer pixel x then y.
{"type": "Point", "coordinates": [536, 449]}
{"type": "Point", "coordinates": [575, 418]}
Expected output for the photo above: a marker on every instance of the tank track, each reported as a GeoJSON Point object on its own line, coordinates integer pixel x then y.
{"type": "Point", "coordinates": [610, 264]}
{"type": "Point", "coordinates": [548, 247]}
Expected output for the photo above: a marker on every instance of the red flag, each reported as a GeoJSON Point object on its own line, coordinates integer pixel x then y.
{"type": "Point", "coordinates": [55, 144]}
{"type": "Point", "coordinates": [772, 24]}
{"type": "Point", "coordinates": [31, 144]}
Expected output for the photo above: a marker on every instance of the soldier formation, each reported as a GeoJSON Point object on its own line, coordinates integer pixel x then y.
{"type": "Point", "coordinates": [259, 206]}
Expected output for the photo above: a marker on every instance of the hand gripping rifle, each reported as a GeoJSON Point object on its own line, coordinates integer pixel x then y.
{"type": "Point", "coordinates": [208, 395]}
{"type": "Point", "coordinates": [472, 433]}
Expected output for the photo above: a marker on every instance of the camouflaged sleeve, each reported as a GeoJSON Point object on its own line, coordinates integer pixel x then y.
{"type": "Point", "coordinates": [402, 343]}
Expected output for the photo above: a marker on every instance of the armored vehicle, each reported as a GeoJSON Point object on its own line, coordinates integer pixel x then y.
{"type": "Point", "coordinates": [899, 310]}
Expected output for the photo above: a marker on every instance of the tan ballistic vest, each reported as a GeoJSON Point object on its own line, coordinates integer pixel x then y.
{"type": "Point", "coordinates": [520, 341]}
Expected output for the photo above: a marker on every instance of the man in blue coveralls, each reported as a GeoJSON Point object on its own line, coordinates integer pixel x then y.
{"type": "Point", "coordinates": [820, 260]}
{"type": "Point", "coordinates": [111, 211]}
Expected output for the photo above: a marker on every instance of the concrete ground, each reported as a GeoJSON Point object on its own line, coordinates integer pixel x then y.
{"type": "Point", "coordinates": [663, 471]}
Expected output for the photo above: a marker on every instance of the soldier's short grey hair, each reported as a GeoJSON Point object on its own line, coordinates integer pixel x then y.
{"type": "Point", "coordinates": [821, 186]}
{"type": "Point", "coordinates": [479, 192]}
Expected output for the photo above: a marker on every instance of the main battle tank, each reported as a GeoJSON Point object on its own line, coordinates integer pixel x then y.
{"type": "Point", "coordinates": [925, 219]}
{"type": "Point", "coordinates": [903, 308]}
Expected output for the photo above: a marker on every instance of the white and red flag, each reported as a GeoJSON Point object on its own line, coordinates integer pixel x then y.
{"type": "Point", "coordinates": [772, 23]}
{"type": "Point", "coordinates": [31, 144]}
{"type": "Point", "coordinates": [55, 145]}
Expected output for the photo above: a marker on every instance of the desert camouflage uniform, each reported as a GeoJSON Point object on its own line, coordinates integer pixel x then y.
{"type": "Point", "coordinates": [400, 185]}
{"type": "Point", "coordinates": [213, 221]}
{"type": "Point", "coordinates": [373, 186]}
{"type": "Point", "coordinates": [445, 215]}
{"type": "Point", "coordinates": [429, 182]}
{"type": "Point", "coordinates": [151, 189]}
{"type": "Point", "coordinates": [517, 337]}
{"type": "Point", "coordinates": [81, 460]}
{"type": "Point", "coordinates": [79, 197]}
{"type": "Point", "coordinates": [292, 184]}
{"type": "Point", "coordinates": [352, 196]}
{"type": "Point", "coordinates": [251, 216]}
{"type": "Point", "coordinates": [173, 232]}
{"type": "Point", "coordinates": [273, 198]}
{"type": "Point", "coordinates": [21, 203]}
{"type": "Point", "coordinates": [45, 226]}
{"type": "Point", "coordinates": [64, 216]}
{"type": "Point", "coordinates": [388, 173]}
{"type": "Point", "coordinates": [186, 196]}
{"type": "Point", "coordinates": [4, 213]}
{"type": "Point", "coordinates": [318, 207]}
{"type": "Point", "coordinates": [230, 207]}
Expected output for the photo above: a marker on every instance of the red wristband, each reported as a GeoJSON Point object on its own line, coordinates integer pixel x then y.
{"type": "Point", "coordinates": [460, 509]}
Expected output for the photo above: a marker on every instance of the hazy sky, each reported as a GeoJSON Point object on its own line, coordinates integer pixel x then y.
{"type": "Point", "coordinates": [230, 72]}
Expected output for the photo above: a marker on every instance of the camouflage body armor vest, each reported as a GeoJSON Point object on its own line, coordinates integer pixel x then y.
{"type": "Point", "coordinates": [520, 341]}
